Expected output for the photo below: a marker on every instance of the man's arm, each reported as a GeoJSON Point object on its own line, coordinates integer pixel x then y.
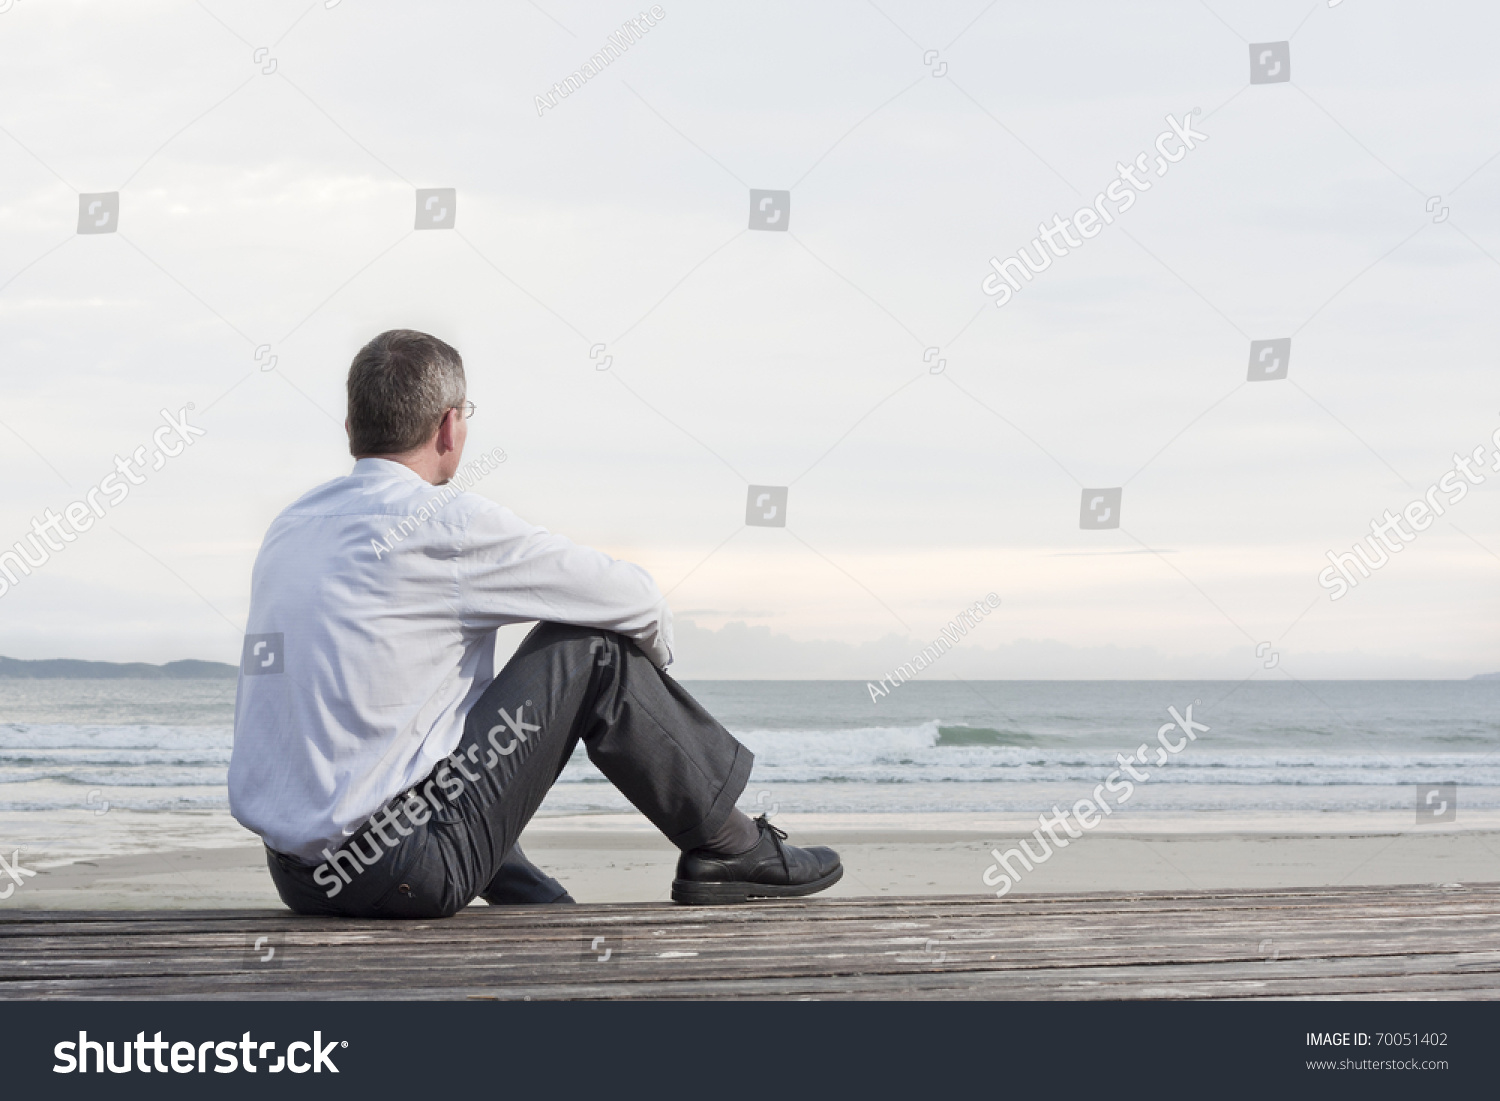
{"type": "Point", "coordinates": [512, 571]}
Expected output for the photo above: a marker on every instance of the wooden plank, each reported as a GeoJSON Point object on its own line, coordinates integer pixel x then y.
{"type": "Point", "coordinates": [1355, 942]}
{"type": "Point", "coordinates": [1048, 903]}
{"type": "Point", "coordinates": [1089, 985]}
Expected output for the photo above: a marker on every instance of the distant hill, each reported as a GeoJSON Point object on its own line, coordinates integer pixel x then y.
{"type": "Point", "coordinates": [70, 669]}
{"type": "Point", "coordinates": [1485, 676]}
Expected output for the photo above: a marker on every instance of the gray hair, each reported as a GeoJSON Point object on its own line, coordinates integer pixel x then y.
{"type": "Point", "coordinates": [400, 386]}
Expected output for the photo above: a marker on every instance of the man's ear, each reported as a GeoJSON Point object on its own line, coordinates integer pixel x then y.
{"type": "Point", "coordinates": [447, 430]}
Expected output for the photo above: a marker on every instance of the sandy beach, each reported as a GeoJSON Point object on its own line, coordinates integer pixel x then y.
{"type": "Point", "coordinates": [115, 792]}
{"type": "Point", "coordinates": [619, 858]}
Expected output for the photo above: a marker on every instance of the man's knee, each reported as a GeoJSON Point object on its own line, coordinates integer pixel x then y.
{"type": "Point", "coordinates": [603, 645]}
{"type": "Point", "coordinates": [547, 632]}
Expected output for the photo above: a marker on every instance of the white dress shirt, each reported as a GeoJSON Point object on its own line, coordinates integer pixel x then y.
{"type": "Point", "coordinates": [373, 609]}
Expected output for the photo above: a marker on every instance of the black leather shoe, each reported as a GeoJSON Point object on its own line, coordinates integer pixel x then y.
{"type": "Point", "coordinates": [768, 870]}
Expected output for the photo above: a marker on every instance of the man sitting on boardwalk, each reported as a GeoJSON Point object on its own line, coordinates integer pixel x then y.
{"type": "Point", "coordinates": [388, 772]}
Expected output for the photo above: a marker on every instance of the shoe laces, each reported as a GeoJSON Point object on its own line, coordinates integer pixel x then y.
{"type": "Point", "coordinates": [778, 835]}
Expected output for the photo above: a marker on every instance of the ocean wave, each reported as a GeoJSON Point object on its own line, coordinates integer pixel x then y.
{"type": "Point", "coordinates": [35, 736]}
{"type": "Point", "coordinates": [156, 762]}
{"type": "Point", "coordinates": [963, 734]}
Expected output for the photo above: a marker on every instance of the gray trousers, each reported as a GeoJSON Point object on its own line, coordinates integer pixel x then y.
{"type": "Point", "coordinates": [452, 837]}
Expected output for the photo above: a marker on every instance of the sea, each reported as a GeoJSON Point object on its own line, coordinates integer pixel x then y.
{"type": "Point", "coordinates": [95, 768]}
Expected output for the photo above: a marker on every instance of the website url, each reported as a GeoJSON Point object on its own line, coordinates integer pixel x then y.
{"type": "Point", "coordinates": [1377, 1064]}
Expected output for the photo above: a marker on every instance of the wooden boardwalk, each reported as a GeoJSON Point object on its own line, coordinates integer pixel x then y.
{"type": "Point", "coordinates": [1364, 942]}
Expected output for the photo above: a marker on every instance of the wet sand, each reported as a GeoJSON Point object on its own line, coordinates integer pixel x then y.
{"type": "Point", "coordinates": [617, 858]}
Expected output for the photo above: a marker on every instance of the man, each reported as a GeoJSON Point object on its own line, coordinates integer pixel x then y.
{"type": "Point", "coordinates": [387, 769]}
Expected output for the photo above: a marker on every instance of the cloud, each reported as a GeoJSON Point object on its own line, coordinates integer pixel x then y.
{"type": "Point", "coordinates": [274, 206]}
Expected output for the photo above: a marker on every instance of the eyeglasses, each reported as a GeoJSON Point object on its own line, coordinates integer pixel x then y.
{"type": "Point", "coordinates": [468, 408]}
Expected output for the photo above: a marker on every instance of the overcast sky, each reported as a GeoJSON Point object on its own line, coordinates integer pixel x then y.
{"type": "Point", "coordinates": [267, 157]}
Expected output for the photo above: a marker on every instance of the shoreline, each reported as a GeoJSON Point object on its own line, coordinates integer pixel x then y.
{"type": "Point", "coordinates": [609, 861]}
{"type": "Point", "coordinates": [56, 839]}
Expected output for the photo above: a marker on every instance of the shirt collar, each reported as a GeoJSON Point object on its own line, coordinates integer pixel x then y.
{"type": "Point", "coordinates": [386, 469]}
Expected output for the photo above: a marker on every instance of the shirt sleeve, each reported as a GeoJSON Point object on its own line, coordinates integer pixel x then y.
{"type": "Point", "coordinates": [511, 571]}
